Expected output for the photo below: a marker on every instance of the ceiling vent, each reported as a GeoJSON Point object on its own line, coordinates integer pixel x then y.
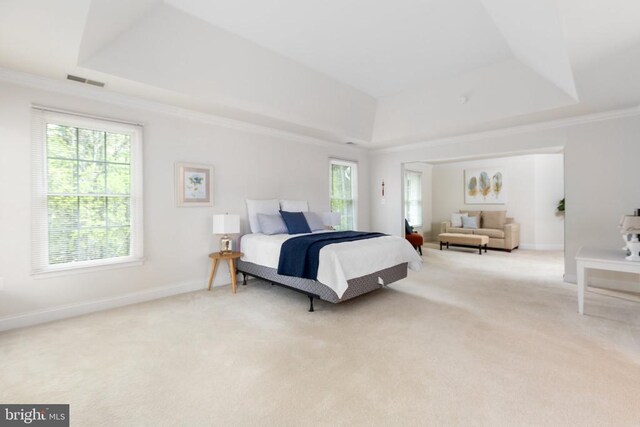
{"type": "Point", "coordinates": [83, 80]}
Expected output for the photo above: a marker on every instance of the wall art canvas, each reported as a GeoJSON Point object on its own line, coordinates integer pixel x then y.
{"type": "Point", "coordinates": [194, 185]}
{"type": "Point", "coordinates": [484, 186]}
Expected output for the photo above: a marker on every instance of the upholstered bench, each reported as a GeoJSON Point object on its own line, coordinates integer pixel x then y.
{"type": "Point", "coordinates": [465, 240]}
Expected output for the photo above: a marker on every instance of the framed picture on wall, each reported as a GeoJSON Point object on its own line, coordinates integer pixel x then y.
{"type": "Point", "coordinates": [194, 184]}
{"type": "Point", "coordinates": [484, 186]}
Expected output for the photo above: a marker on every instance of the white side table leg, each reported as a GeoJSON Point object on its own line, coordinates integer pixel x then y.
{"type": "Point", "coordinates": [581, 286]}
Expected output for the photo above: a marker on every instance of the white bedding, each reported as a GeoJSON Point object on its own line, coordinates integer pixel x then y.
{"type": "Point", "coordinates": [339, 262]}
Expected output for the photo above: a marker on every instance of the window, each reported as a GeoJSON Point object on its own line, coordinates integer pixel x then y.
{"type": "Point", "coordinates": [344, 192]}
{"type": "Point", "coordinates": [413, 197]}
{"type": "Point", "coordinates": [87, 192]}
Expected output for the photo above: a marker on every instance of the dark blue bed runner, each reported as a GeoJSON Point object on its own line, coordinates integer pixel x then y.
{"type": "Point", "coordinates": [299, 256]}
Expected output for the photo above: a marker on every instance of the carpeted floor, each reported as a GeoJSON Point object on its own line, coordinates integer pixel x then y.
{"type": "Point", "coordinates": [470, 340]}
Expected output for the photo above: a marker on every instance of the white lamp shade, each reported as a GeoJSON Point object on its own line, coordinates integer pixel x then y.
{"type": "Point", "coordinates": [630, 224]}
{"type": "Point", "coordinates": [331, 219]}
{"type": "Point", "coordinates": [226, 224]}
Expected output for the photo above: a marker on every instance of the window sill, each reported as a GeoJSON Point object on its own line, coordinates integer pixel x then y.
{"type": "Point", "coordinates": [81, 269]}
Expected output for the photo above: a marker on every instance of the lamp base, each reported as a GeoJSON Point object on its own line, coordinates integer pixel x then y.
{"type": "Point", "coordinates": [634, 248]}
{"type": "Point", "coordinates": [226, 245]}
{"type": "Point", "coordinates": [627, 238]}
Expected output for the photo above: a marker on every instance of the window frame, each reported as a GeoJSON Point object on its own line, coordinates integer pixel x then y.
{"type": "Point", "coordinates": [408, 172]}
{"type": "Point", "coordinates": [354, 185]}
{"type": "Point", "coordinates": [40, 266]}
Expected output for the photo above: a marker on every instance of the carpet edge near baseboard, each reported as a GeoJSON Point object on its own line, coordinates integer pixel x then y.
{"type": "Point", "coordinates": [72, 310]}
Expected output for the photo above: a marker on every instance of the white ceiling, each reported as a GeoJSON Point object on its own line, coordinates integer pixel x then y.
{"type": "Point", "coordinates": [379, 73]}
{"type": "Point", "coordinates": [379, 47]}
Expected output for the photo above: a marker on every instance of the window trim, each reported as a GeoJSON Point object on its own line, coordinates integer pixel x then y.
{"type": "Point", "coordinates": [39, 193]}
{"type": "Point", "coordinates": [354, 184]}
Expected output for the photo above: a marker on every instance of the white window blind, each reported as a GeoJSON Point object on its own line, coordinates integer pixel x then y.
{"type": "Point", "coordinates": [87, 192]}
{"type": "Point", "coordinates": [344, 192]}
{"type": "Point", "coordinates": [413, 197]}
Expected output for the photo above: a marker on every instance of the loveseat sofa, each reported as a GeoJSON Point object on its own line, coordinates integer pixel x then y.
{"type": "Point", "coordinates": [503, 232]}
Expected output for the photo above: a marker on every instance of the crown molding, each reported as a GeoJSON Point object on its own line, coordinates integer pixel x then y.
{"type": "Point", "coordinates": [128, 101]}
{"type": "Point", "coordinates": [516, 130]}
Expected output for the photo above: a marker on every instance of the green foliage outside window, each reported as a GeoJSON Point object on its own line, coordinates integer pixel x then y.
{"type": "Point", "coordinates": [342, 197]}
{"type": "Point", "coordinates": [89, 194]}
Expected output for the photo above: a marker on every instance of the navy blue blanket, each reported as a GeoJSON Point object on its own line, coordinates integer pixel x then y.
{"type": "Point", "coordinates": [299, 256]}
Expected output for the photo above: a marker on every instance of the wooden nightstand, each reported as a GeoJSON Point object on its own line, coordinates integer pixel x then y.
{"type": "Point", "coordinates": [231, 256]}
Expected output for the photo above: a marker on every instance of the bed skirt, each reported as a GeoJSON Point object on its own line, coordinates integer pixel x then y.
{"type": "Point", "coordinates": [357, 286]}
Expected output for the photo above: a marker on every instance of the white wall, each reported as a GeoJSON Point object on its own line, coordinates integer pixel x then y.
{"type": "Point", "coordinates": [600, 176]}
{"type": "Point", "coordinates": [177, 240]}
{"type": "Point", "coordinates": [549, 190]}
{"type": "Point", "coordinates": [533, 184]}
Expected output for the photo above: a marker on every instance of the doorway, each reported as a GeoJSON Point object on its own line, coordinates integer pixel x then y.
{"type": "Point", "coordinates": [530, 186]}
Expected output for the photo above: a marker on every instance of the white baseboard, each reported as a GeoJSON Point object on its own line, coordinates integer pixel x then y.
{"type": "Point", "coordinates": [72, 310]}
{"type": "Point", "coordinates": [542, 246]}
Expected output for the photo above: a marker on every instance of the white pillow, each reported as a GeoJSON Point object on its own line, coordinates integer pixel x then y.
{"type": "Point", "coordinates": [314, 221]}
{"type": "Point", "coordinates": [271, 224]}
{"type": "Point", "coordinates": [254, 207]}
{"type": "Point", "coordinates": [456, 219]}
{"type": "Point", "coordinates": [294, 205]}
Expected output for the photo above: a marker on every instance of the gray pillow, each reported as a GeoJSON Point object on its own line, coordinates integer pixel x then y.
{"type": "Point", "coordinates": [271, 224]}
{"type": "Point", "coordinates": [469, 222]}
{"type": "Point", "coordinates": [314, 221]}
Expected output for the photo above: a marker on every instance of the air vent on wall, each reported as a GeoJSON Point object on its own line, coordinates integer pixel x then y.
{"type": "Point", "coordinates": [83, 80]}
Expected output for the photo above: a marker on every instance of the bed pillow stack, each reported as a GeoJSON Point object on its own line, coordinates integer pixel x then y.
{"type": "Point", "coordinates": [314, 220]}
{"type": "Point", "coordinates": [265, 207]}
{"type": "Point", "coordinates": [294, 205]}
{"type": "Point", "coordinates": [282, 216]}
{"type": "Point", "coordinates": [294, 223]}
{"type": "Point", "coordinates": [272, 224]}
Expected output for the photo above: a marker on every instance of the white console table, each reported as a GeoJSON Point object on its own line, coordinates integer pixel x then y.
{"type": "Point", "coordinates": [600, 259]}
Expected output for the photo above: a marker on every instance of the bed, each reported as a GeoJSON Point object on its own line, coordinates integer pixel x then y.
{"type": "Point", "coordinates": [344, 270]}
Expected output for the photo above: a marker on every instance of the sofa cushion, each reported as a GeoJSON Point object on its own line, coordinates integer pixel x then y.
{"type": "Point", "coordinates": [494, 219]}
{"type": "Point", "coordinates": [490, 232]}
{"type": "Point", "coordinates": [459, 230]}
{"type": "Point", "coordinates": [477, 214]}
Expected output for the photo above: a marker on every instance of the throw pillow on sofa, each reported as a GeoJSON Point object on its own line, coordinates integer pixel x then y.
{"type": "Point", "coordinates": [470, 222]}
{"type": "Point", "coordinates": [494, 219]}
{"type": "Point", "coordinates": [475, 214]}
{"type": "Point", "coordinates": [456, 219]}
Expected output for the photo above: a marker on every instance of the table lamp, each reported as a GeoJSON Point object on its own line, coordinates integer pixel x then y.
{"type": "Point", "coordinates": [226, 224]}
{"type": "Point", "coordinates": [331, 219]}
{"type": "Point", "coordinates": [630, 224]}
